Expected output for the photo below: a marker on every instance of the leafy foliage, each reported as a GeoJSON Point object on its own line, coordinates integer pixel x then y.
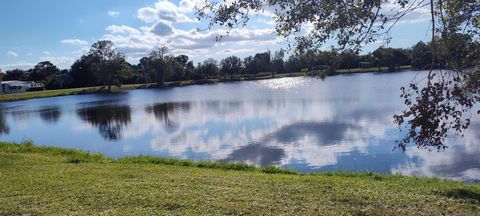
{"type": "Point", "coordinates": [437, 106]}
{"type": "Point", "coordinates": [110, 66]}
{"type": "Point", "coordinates": [160, 66]}
{"type": "Point", "coordinates": [43, 71]}
{"type": "Point", "coordinates": [231, 65]}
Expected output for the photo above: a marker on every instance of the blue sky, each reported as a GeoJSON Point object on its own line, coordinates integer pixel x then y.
{"type": "Point", "coordinates": [60, 31]}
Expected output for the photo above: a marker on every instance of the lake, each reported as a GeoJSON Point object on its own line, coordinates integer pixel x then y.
{"type": "Point", "coordinates": [342, 123]}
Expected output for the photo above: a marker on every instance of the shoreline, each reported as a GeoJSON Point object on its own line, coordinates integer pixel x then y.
{"type": "Point", "coordinates": [98, 89]}
{"type": "Point", "coordinates": [40, 180]}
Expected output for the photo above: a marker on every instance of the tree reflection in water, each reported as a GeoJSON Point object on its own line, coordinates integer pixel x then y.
{"type": "Point", "coordinates": [110, 119]}
{"type": "Point", "coordinates": [164, 111]}
{"type": "Point", "coordinates": [50, 114]}
{"type": "Point", "coordinates": [4, 129]}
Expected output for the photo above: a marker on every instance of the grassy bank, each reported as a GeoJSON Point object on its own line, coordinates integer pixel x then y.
{"type": "Point", "coordinates": [61, 92]}
{"type": "Point", "coordinates": [372, 69]}
{"type": "Point", "coordinates": [45, 180]}
{"type": "Point", "coordinates": [97, 89]}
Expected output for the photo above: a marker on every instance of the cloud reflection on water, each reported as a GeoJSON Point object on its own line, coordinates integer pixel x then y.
{"type": "Point", "coordinates": [460, 161]}
{"type": "Point", "coordinates": [344, 123]}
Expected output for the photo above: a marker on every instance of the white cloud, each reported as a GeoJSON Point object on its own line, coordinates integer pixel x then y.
{"type": "Point", "coordinates": [81, 51]}
{"type": "Point", "coordinates": [147, 14]}
{"type": "Point", "coordinates": [12, 54]}
{"type": "Point", "coordinates": [162, 29]}
{"type": "Point", "coordinates": [194, 39]}
{"type": "Point", "coordinates": [165, 10]}
{"type": "Point", "coordinates": [46, 52]}
{"type": "Point", "coordinates": [115, 29]}
{"type": "Point", "coordinates": [417, 16]}
{"type": "Point", "coordinates": [266, 21]}
{"type": "Point", "coordinates": [114, 13]}
{"type": "Point", "coordinates": [59, 60]}
{"type": "Point", "coordinates": [420, 14]}
{"type": "Point", "coordinates": [75, 42]}
{"type": "Point", "coordinates": [19, 65]}
{"type": "Point", "coordinates": [163, 34]}
{"type": "Point", "coordinates": [162, 17]}
{"type": "Point", "coordinates": [234, 51]}
{"type": "Point", "coordinates": [189, 5]}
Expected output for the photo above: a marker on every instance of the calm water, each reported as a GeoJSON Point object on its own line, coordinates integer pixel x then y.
{"type": "Point", "coordinates": [342, 123]}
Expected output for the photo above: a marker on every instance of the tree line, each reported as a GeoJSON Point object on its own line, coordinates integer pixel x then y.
{"type": "Point", "coordinates": [105, 66]}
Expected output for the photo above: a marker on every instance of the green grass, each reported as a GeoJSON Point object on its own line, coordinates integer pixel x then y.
{"type": "Point", "coordinates": [369, 70]}
{"type": "Point", "coordinates": [78, 156]}
{"type": "Point", "coordinates": [55, 181]}
{"type": "Point", "coordinates": [61, 92]}
{"type": "Point", "coordinates": [42, 94]}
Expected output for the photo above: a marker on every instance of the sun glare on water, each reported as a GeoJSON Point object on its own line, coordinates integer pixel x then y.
{"type": "Point", "coordinates": [281, 83]}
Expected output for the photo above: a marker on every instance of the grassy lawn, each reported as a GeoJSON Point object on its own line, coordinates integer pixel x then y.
{"type": "Point", "coordinates": [59, 92]}
{"type": "Point", "coordinates": [42, 94]}
{"type": "Point", "coordinates": [372, 69]}
{"type": "Point", "coordinates": [54, 181]}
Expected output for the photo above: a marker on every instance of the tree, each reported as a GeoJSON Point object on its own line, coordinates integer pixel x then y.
{"type": "Point", "coordinates": [143, 68]}
{"type": "Point", "coordinates": [159, 65]}
{"type": "Point", "coordinates": [249, 65]}
{"type": "Point", "coordinates": [421, 56]}
{"type": "Point", "coordinates": [110, 65]}
{"type": "Point", "coordinates": [434, 108]}
{"type": "Point", "coordinates": [82, 71]}
{"type": "Point", "coordinates": [182, 60]}
{"type": "Point", "coordinates": [391, 58]}
{"type": "Point", "coordinates": [44, 72]}
{"type": "Point", "coordinates": [348, 59]}
{"type": "Point", "coordinates": [402, 57]}
{"type": "Point", "coordinates": [384, 58]}
{"type": "Point", "coordinates": [331, 59]}
{"type": "Point", "coordinates": [2, 75]}
{"type": "Point", "coordinates": [293, 64]}
{"type": "Point", "coordinates": [208, 68]}
{"type": "Point", "coordinates": [179, 64]}
{"type": "Point", "coordinates": [16, 74]}
{"type": "Point", "coordinates": [262, 62]}
{"type": "Point", "coordinates": [61, 80]}
{"type": "Point", "coordinates": [231, 65]}
{"type": "Point", "coordinates": [278, 64]}
{"type": "Point", "coordinates": [309, 59]}
{"type": "Point", "coordinates": [189, 70]}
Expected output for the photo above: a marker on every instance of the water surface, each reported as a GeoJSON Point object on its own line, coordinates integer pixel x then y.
{"type": "Point", "coordinates": [342, 123]}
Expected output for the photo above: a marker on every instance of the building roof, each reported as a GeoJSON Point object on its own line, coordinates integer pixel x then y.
{"type": "Point", "coordinates": [14, 82]}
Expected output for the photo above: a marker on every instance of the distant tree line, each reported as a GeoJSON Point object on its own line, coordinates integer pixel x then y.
{"type": "Point", "coordinates": [104, 66]}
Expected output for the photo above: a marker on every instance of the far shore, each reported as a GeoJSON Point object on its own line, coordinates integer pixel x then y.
{"type": "Point", "coordinates": [100, 89]}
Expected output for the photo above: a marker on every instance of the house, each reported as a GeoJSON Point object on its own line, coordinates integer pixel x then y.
{"type": "Point", "coordinates": [366, 64]}
{"type": "Point", "coordinates": [15, 86]}
{"type": "Point", "coordinates": [33, 86]}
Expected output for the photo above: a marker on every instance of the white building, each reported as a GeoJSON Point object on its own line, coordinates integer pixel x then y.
{"type": "Point", "coordinates": [15, 86]}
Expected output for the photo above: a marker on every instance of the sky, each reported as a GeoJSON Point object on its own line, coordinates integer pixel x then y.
{"type": "Point", "coordinates": [61, 31]}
